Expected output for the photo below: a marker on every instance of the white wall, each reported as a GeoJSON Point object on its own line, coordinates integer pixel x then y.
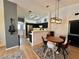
{"type": "Point", "coordinates": [66, 13]}
{"type": "Point", "coordinates": [21, 12]}
{"type": "Point", "coordinates": [2, 25]}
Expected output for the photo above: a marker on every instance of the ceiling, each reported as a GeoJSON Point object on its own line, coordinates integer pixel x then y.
{"type": "Point", "coordinates": [39, 6]}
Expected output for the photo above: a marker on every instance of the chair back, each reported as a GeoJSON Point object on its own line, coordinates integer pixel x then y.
{"type": "Point", "coordinates": [63, 37]}
{"type": "Point", "coordinates": [44, 42]}
{"type": "Point", "coordinates": [67, 42]}
{"type": "Point", "coordinates": [52, 33]}
{"type": "Point", "coordinates": [51, 45]}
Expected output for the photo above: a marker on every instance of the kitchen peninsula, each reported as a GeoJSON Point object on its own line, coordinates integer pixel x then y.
{"type": "Point", "coordinates": [36, 36]}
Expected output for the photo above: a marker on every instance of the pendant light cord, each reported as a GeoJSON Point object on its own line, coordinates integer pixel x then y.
{"type": "Point", "coordinates": [58, 8]}
{"type": "Point", "coordinates": [55, 7]}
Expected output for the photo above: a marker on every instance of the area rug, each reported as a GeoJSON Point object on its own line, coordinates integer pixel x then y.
{"type": "Point", "coordinates": [40, 53]}
{"type": "Point", "coordinates": [17, 55]}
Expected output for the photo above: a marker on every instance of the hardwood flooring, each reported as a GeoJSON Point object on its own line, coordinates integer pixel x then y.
{"type": "Point", "coordinates": [27, 48]}
{"type": "Point", "coordinates": [74, 52]}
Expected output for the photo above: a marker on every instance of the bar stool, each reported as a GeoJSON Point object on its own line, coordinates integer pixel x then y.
{"type": "Point", "coordinates": [52, 46]}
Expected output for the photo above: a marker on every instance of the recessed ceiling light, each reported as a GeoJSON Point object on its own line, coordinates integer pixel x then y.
{"type": "Point", "coordinates": [47, 6]}
{"type": "Point", "coordinates": [30, 11]}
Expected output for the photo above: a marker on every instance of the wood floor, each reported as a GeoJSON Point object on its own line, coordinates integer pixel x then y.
{"type": "Point", "coordinates": [26, 47]}
{"type": "Point", "coordinates": [74, 52]}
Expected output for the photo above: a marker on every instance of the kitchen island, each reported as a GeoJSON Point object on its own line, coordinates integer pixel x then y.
{"type": "Point", "coordinates": [36, 36]}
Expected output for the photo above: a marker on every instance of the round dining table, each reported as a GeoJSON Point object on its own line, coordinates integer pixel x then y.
{"type": "Point", "coordinates": [55, 39]}
{"type": "Point", "coordinates": [58, 42]}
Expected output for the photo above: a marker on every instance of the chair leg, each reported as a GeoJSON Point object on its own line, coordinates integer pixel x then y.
{"type": "Point", "coordinates": [66, 51]}
{"type": "Point", "coordinates": [59, 49]}
{"type": "Point", "coordinates": [69, 52]}
{"type": "Point", "coordinates": [46, 52]}
{"type": "Point", "coordinates": [63, 53]}
{"type": "Point", "coordinates": [53, 54]}
{"type": "Point", "coordinates": [44, 49]}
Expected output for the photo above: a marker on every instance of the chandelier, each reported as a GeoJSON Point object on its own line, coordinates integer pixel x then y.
{"type": "Point", "coordinates": [56, 19]}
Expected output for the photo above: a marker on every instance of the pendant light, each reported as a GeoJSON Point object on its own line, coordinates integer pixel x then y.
{"type": "Point", "coordinates": [56, 19]}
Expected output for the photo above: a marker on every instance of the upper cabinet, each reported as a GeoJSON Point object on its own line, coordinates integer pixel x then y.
{"type": "Point", "coordinates": [37, 25]}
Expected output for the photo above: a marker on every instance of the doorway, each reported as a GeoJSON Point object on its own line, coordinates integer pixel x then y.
{"type": "Point", "coordinates": [21, 30]}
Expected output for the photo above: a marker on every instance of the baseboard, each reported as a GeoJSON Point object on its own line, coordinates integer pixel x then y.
{"type": "Point", "coordinates": [12, 47]}
{"type": "Point", "coordinates": [74, 44]}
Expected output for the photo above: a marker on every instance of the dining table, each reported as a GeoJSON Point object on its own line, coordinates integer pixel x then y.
{"type": "Point", "coordinates": [55, 39]}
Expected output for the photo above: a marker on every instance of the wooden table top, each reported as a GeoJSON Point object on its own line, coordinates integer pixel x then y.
{"type": "Point", "coordinates": [55, 39]}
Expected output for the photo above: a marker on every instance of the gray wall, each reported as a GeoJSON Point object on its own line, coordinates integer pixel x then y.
{"type": "Point", "coordinates": [10, 11]}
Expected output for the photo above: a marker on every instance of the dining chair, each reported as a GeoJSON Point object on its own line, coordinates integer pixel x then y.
{"type": "Point", "coordinates": [62, 48]}
{"type": "Point", "coordinates": [52, 33]}
{"type": "Point", "coordinates": [65, 43]}
{"type": "Point", "coordinates": [44, 44]}
{"type": "Point", "coordinates": [51, 46]}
